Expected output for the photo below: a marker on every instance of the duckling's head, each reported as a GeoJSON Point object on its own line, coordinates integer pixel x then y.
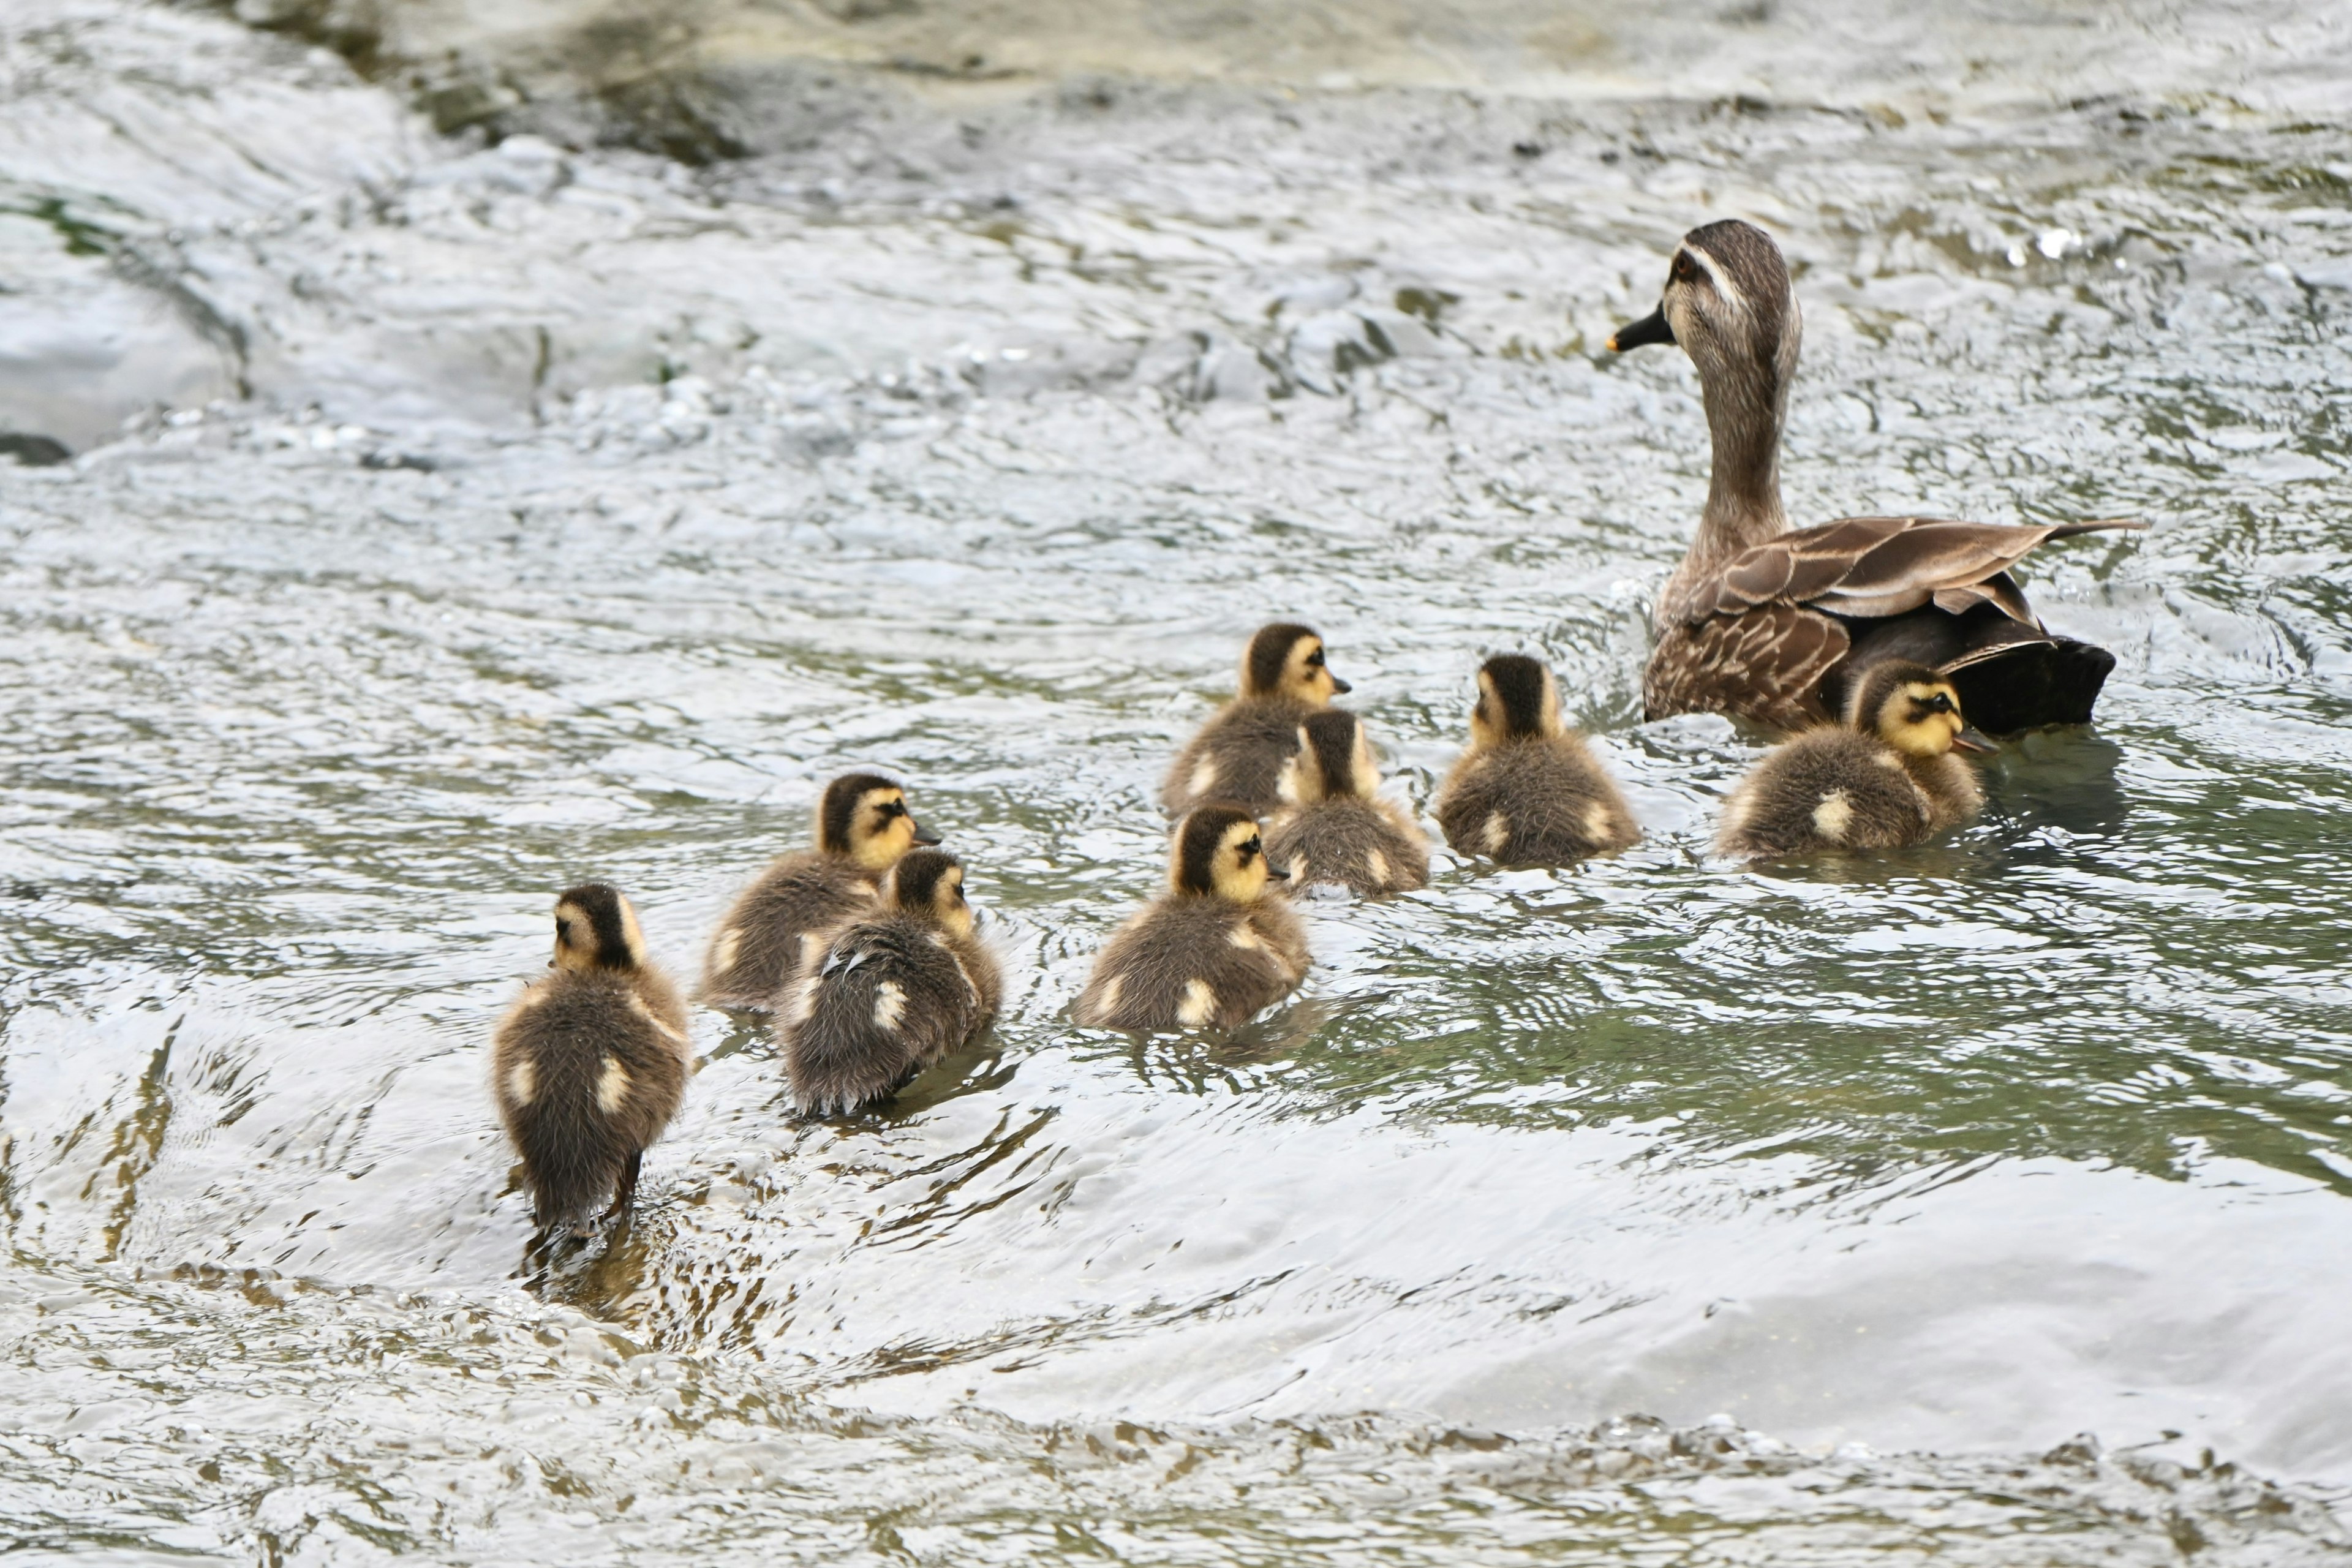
{"type": "Point", "coordinates": [1286, 660]}
{"type": "Point", "coordinates": [1517, 700]}
{"type": "Point", "coordinates": [1912, 709]}
{"type": "Point", "coordinates": [1729, 304]}
{"type": "Point", "coordinates": [929, 885]}
{"type": "Point", "coordinates": [597, 929]}
{"type": "Point", "coordinates": [864, 817]}
{"type": "Point", "coordinates": [1218, 850]}
{"type": "Point", "coordinates": [1334, 760]}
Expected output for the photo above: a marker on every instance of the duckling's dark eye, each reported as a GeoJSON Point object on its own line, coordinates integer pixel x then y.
{"type": "Point", "coordinates": [1248, 847]}
{"type": "Point", "coordinates": [1315, 659]}
{"type": "Point", "coordinates": [890, 808]}
{"type": "Point", "coordinates": [1939, 703]}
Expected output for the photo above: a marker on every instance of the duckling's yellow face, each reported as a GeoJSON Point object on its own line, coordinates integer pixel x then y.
{"type": "Point", "coordinates": [883, 829]}
{"type": "Point", "coordinates": [1239, 870]}
{"type": "Point", "coordinates": [596, 928]}
{"type": "Point", "coordinates": [1305, 676]}
{"type": "Point", "coordinates": [1922, 718]}
{"type": "Point", "coordinates": [948, 902]}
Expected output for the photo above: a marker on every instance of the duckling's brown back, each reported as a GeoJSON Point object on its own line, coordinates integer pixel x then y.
{"type": "Point", "coordinates": [1534, 801]}
{"type": "Point", "coordinates": [756, 952]}
{"type": "Point", "coordinates": [1192, 963]}
{"type": "Point", "coordinates": [588, 1066]}
{"type": "Point", "coordinates": [889, 996]}
{"type": "Point", "coordinates": [1238, 756]}
{"type": "Point", "coordinates": [1830, 788]}
{"type": "Point", "coordinates": [1349, 841]}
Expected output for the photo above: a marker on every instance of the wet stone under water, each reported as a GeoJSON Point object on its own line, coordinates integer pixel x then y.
{"type": "Point", "coordinates": [493, 517]}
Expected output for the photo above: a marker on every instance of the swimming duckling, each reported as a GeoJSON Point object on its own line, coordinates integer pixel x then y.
{"type": "Point", "coordinates": [1529, 790]}
{"type": "Point", "coordinates": [1884, 779]}
{"type": "Point", "coordinates": [891, 991]}
{"type": "Point", "coordinates": [1338, 829]}
{"type": "Point", "coordinates": [589, 1063]}
{"type": "Point", "coordinates": [863, 826]}
{"type": "Point", "coordinates": [1214, 949]}
{"type": "Point", "coordinates": [1238, 755]}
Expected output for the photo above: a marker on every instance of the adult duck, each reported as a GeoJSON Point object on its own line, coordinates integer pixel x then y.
{"type": "Point", "coordinates": [1772, 624]}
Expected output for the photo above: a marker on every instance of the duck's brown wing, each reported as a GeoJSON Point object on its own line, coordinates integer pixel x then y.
{"type": "Point", "coordinates": [1759, 636]}
{"type": "Point", "coordinates": [1766, 663]}
{"type": "Point", "coordinates": [1867, 567]}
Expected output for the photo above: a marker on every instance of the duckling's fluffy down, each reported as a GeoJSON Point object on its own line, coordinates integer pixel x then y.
{"type": "Point", "coordinates": [1369, 846]}
{"type": "Point", "coordinates": [1534, 801]}
{"type": "Point", "coordinates": [588, 1066]}
{"type": "Point", "coordinates": [1238, 756]}
{"type": "Point", "coordinates": [1835, 788]}
{"type": "Point", "coordinates": [1189, 962]}
{"type": "Point", "coordinates": [755, 956]}
{"type": "Point", "coordinates": [888, 996]}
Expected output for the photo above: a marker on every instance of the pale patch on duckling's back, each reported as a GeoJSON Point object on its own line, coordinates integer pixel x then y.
{"type": "Point", "coordinates": [1200, 1003]}
{"type": "Point", "coordinates": [1833, 815]}
{"type": "Point", "coordinates": [522, 1082]}
{"type": "Point", "coordinates": [889, 1004]}
{"type": "Point", "coordinates": [612, 1087]}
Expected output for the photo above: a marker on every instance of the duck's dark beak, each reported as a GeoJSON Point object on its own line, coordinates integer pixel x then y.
{"type": "Point", "coordinates": [1276, 872]}
{"type": "Point", "coordinates": [923, 835]}
{"type": "Point", "coordinates": [1653, 328]}
{"type": "Point", "coordinates": [1339, 687]}
{"type": "Point", "coordinates": [1974, 739]}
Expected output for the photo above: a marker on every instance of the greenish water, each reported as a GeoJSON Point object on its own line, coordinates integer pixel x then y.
{"type": "Point", "coordinates": [517, 515]}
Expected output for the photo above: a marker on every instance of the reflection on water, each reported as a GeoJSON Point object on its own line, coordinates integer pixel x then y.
{"type": "Point", "coordinates": [512, 515]}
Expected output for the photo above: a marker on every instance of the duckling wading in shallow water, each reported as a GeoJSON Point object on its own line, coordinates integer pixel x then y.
{"type": "Point", "coordinates": [863, 826]}
{"type": "Point", "coordinates": [1772, 625]}
{"type": "Point", "coordinates": [1335, 827]}
{"type": "Point", "coordinates": [589, 1063]}
{"type": "Point", "coordinates": [1213, 951]}
{"type": "Point", "coordinates": [1238, 755]}
{"type": "Point", "coordinates": [1884, 779]}
{"type": "Point", "coordinates": [1529, 790]}
{"type": "Point", "coordinates": [891, 991]}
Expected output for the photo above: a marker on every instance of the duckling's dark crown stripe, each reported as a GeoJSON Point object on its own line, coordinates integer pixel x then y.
{"type": "Point", "coordinates": [1331, 737]}
{"type": "Point", "coordinates": [1269, 653]}
{"type": "Point", "coordinates": [1519, 683]}
{"type": "Point", "coordinates": [838, 812]}
{"type": "Point", "coordinates": [915, 881]}
{"type": "Point", "coordinates": [601, 905]}
{"type": "Point", "coordinates": [1197, 839]}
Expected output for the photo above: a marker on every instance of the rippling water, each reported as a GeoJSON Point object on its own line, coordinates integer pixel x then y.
{"type": "Point", "coordinates": [487, 518]}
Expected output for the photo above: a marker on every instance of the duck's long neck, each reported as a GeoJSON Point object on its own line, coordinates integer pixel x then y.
{"type": "Point", "coordinates": [1743, 493]}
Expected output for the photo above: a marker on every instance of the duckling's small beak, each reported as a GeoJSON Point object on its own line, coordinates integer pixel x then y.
{"type": "Point", "coordinates": [1653, 328]}
{"type": "Point", "coordinates": [1974, 739]}
{"type": "Point", "coordinates": [923, 835]}
{"type": "Point", "coordinates": [1339, 687]}
{"type": "Point", "coordinates": [1276, 872]}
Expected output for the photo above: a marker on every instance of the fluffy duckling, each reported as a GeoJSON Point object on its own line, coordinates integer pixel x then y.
{"type": "Point", "coordinates": [1884, 779]}
{"type": "Point", "coordinates": [890, 992]}
{"type": "Point", "coordinates": [863, 826]}
{"type": "Point", "coordinates": [589, 1063]}
{"type": "Point", "coordinates": [1337, 828]}
{"type": "Point", "coordinates": [1238, 755]}
{"type": "Point", "coordinates": [1214, 949]}
{"type": "Point", "coordinates": [1529, 790]}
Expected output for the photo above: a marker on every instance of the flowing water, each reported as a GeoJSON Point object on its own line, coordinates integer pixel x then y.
{"type": "Point", "coordinates": [452, 519]}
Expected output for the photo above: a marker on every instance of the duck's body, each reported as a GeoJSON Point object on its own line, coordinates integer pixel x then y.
{"type": "Point", "coordinates": [863, 826]}
{"type": "Point", "coordinates": [1529, 790]}
{"type": "Point", "coordinates": [1334, 827]}
{"type": "Point", "coordinates": [589, 1063]}
{"type": "Point", "coordinates": [1885, 779]}
{"type": "Point", "coordinates": [892, 990]}
{"type": "Point", "coordinates": [1239, 755]}
{"type": "Point", "coordinates": [1774, 626]}
{"type": "Point", "coordinates": [1214, 951]}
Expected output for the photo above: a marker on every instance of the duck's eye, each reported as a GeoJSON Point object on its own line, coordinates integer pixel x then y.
{"type": "Point", "coordinates": [1939, 703]}
{"type": "Point", "coordinates": [1247, 848]}
{"type": "Point", "coordinates": [1315, 659]}
{"type": "Point", "coordinates": [1684, 269]}
{"type": "Point", "coordinates": [890, 808]}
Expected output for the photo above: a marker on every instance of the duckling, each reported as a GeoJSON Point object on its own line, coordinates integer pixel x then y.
{"type": "Point", "coordinates": [589, 1063]}
{"type": "Point", "coordinates": [1884, 779]}
{"type": "Point", "coordinates": [863, 826]}
{"type": "Point", "coordinates": [1338, 829]}
{"type": "Point", "coordinates": [1214, 949]}
{"type": "Point", "coordinates": [890, 991]}
{"type": "Point", "coordinates": [1238, 755]}
{"type": "Point", "coordinates": [1529, 790]}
